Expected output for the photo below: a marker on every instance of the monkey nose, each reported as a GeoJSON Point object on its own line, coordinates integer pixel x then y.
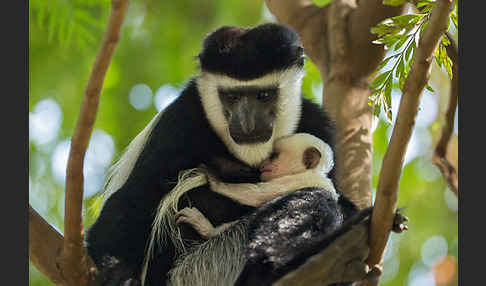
{"type": "Point", "coordinates": [248, 126]}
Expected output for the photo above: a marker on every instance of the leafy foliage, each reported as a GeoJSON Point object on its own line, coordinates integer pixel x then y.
{"type": "Point", "coordinates": [321, 3]}
{"type": "Point", "coordinates": [69, 22]}
{"type": "Point", "coordinates": [401, 34]}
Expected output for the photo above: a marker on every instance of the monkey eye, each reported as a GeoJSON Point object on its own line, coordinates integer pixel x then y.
{"type": "Point", "coordinates": [263, 95]}
{"type": "Point", "coordinates": [274, 155]}
{"type": "Point", "coordinates": [232, 96]}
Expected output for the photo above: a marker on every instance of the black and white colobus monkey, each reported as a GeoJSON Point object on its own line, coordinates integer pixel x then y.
{"type": "Point", "coordinates": [298, 161]}
{"type": "Point", "coordinates": [300, 213]}
{"type": "Point", "coordinates": [247, 95]}
{"type": "Point", "coordinates": [293, 227]}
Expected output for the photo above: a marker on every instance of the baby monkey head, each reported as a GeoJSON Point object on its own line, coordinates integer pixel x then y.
{"type": "Point", "coordinates": [295, 154]}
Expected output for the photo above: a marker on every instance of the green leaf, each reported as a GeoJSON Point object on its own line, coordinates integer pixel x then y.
{"type": "Point", "coordinates": [410, 50]}
{"type": "Point", "coordinates": [443, 53]}
{"type": "Point", "coordinates": [422, 29]}
{"type": "Point", "coordinates": [41, 17]}
{"type": "Point", "coordinates": [454, 18]}
{"type": "Point", "coordinates": [422, 4]}
{"type": "Point", "coordinates": [403, 20]}
{"type": "Point", "coordinates": [387, 100]}
{"type": "Point", "coordinates": [379, 80]}
{"type": "Point", "coordinates": [438, 56]}
{"type": "Point", "coordinates": [429, 88]}
{"type": "Point", "coordinates": [376, 110]}
{"type": "Point", "coordinates": [448, 66]}
{"type": "Point", "coordinates": [394, 2]}
{"type": "Point", "coordinates": [321, 3]}
{"type": "Point", "coordinates": [383, 29]}
{"type": "Point", "coordinates": [388, 91]}
{"type": "Point", "coordinates": [52, 22]}
{"type": "Point", "coordinates": [404, 74]}
{"type": "Point", "coordinates": [400, 67]}
{"type": "Point", "coordinates": [400, 43]}
{"type": "Point", "coordinates": [384, 62]}
{"type": "Point", "coordinates": [445, 40]}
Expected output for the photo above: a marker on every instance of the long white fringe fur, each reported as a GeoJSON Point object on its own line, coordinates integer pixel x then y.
{"type": "Point", "coordinates": [119, 172]}
{"type": "Point", "coordinates": [164, 226]}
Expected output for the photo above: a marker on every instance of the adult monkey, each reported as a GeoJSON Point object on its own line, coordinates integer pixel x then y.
{"type": "Point", "coordinates": [247, 95]}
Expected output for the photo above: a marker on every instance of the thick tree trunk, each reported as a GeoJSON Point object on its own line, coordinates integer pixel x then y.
{"type": "Point", "coordinates": [348, 104]}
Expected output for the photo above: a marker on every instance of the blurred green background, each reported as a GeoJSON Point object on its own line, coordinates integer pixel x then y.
{"type": "Point", "coordinates": [152, 62]}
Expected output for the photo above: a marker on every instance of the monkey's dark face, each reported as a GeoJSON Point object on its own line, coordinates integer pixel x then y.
{"type": "Point", "coordinates": [250, 112]}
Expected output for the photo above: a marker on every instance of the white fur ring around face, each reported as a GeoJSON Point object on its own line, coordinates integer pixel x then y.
{"type": "Point", "coordinates": [327, 158]}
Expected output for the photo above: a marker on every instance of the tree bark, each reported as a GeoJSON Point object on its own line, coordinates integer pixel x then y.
{"type": "Point", "coordinates": [387, 192]}
{"type": "Point", "coordinates": [45, 244]}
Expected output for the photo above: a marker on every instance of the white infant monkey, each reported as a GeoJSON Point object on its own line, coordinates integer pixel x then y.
{"type": "Point", "coordinates": [298, 161]}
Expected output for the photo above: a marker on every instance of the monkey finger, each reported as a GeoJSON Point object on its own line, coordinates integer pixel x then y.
{"type": "Point", "coordinates": [184, 211]}
{"type": "Point", "coordinates": [398, 223]}
{"type": "Point", "coordinates": [183, 219]}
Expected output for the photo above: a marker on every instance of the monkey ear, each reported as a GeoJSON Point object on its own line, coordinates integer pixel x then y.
{"type": "Point", "coordinates": [312, 156]}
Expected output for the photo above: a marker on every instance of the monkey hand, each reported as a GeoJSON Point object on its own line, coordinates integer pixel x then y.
{"type": "Point", "coordinates": [398, 222]}
{"type": "Point", "coordinates": [197, 220]}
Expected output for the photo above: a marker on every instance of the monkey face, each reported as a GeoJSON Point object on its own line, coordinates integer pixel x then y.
{"type": "Point", "coordinates": [250, 112]}
{"type": "Point", "coordinates": [282, 162]}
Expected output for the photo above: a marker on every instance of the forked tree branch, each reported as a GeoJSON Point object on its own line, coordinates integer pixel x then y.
{"type": "Point", "coordinates": [440, 159]}
{"type": "Point", "coordinates": [45, 244]}
{"type": "Point", "coordinates": [74, 264]}
{"type": "Point", "coordinates": [387, 191]}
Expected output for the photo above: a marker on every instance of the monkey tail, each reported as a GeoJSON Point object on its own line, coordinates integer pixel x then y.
{"type": "Point", "coordinates": [164, 226]}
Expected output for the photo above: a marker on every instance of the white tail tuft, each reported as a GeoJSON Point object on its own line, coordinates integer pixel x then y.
{"type": "Point", "coordinates": [164, 225]}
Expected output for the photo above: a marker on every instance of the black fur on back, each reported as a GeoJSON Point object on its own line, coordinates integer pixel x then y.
{"type": "Point", "coordinates": [285, 232]}
{"type": "Point", "coordinates": [245, 53]}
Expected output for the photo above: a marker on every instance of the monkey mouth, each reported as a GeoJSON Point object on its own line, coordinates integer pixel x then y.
{"type": "Point", "coordinates": [265, 169]}
{"type": "Point", "coordinates": [250, 139]}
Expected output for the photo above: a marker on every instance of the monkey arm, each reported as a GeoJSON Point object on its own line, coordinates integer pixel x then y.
{"type": "Point", "coordinates": [200, 223]}
{"type": "Point", "coordinates": [257, 194]}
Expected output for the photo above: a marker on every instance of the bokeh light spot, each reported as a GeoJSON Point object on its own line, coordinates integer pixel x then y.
{"type": "Point", "coordinates": [450, 199]}
{"type": "Point", "coordinates": [44, 121]}
{"type": "Point", "coordinates": [140, 96]}
{"type": "Point", "coordinates": [420, 275]}
{"type": "Point", "coordinates": [164, 96]}
{"type": "Point", "coordinates": [433, 250]}
{"type": "Point", "coordinates": [445, 271]}
{"type": "Point", "coordinates": [98, 157]}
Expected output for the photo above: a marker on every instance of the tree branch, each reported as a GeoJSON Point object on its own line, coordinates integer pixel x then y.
{"type": "Point", "coordinates": [387, 192]}
{"type": "Point", "coordinates": [75, 266]}
{"type": "Point", "coordinates": [45, 244]}
{"type": "Point", "coordinates": [365, 55]}
{"type": "Point", "coordinates": [439, 158]}
{"type": "Point", "coordinates": [340, 261]}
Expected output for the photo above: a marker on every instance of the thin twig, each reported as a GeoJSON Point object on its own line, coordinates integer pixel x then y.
{"type": "Point", "coordinates": [440, 159]}
{"type": "Point", "coordinates": [387, 191]}
{"type": "Point", "coordinates": [75, 263]}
